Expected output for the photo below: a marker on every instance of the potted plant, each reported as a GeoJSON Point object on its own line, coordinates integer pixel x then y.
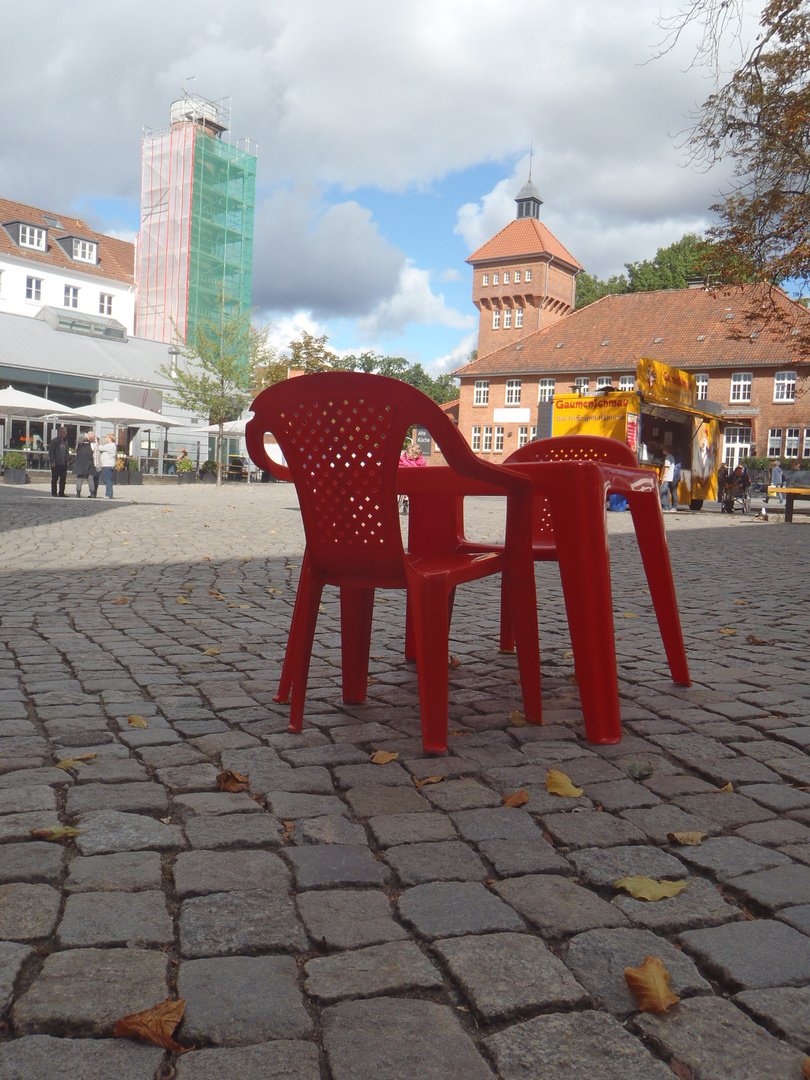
{"type": "Point", "coordinates": [208, 471]}
{"type": "Point", "coordinates": [185, 471]}
{"type": "Point", "coordinates": [14, 468]}
{"type": "Point", "coordinates": [121, 472]}
{"type": "Point", "coordinates": [133, 468]}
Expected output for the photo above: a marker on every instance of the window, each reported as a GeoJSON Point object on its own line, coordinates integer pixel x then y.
{"type": "Point", "coordinates": [581, 384]}
{"type": "Point", "coordinates": [513, 391]}
{"type": "Point", "coordinates": [485, 279]}
{"type": "Point", "coordinates": [84, 251]}
{"type": "Point", "coordinates": [545, 390]}
{"type": "Point", "coordinates": [31, 237]}
{"type": "Point", "coordinates": [496, 319]}
{"type": "Point", "coordinates": [627, 383]}
{"type": "Point", "coordinates": [496, 279]}
{"type": "Point", "coordinates": [792, 442]}
{"type": "Point", "coordinates": [806, 450]}
{"type": "Point", "coordinates": [481, 395]}
{"type": "Point", "coordinates": [519, 317]}
{"type": "Point", "coordinates": [523, 435]}
{"type": "Point", "coordinates": [506, 277]}
{"type": "Point", "coordinates": [775, 442]}
{"type": "Point", "coordinates": [105, 303]}
{"type": "Point", "coordinates": [741, 386]}
{"type": "Point", "coordinates": [532, 433]}
{"type": "Point", "coordinates": [517, 277]}
{"type": "Point", "coordinates": [702, 387]}
{"type": "Point", "coordinates": [528, 275]}
{"type": "Point", "coordinates": [498, 440]}
{"type": "Point", "coordinates": [476, 438]}
{"type": "Point", "coordinates": [33, 288]}
{"type": "Point", "coordinates": [737, 445]}
{"type": "Point", "coordinates": [604, 382]}
{"type": "Point", "coordinates": [507, 318]}
{"type": "Point", "coordinates": [1, 281]}
{"type": "Point", "coordinates": [487, 444]}
{"type": "Point", "coordinates": [71, 296]}
{"type": "Point", "coordinates": [784, 386]}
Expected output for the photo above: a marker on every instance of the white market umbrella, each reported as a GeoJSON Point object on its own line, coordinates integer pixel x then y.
{"type": "Point", "coordinates": [18, 403]}
{"type": "Point", "coordinates": [119, 412]}
{"type": "Point", "coordinates": [233, 427]}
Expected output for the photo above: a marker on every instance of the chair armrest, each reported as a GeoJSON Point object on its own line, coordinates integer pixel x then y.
{"type": "Point", "coordinates": [254, 440]}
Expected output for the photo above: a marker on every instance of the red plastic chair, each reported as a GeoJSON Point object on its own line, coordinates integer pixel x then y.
{"type": "Point", "coordinates": [341, 434]}
{"type": "Point", "coordinates": [573, 476]}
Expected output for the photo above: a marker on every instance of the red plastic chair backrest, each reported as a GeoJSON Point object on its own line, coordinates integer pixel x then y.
{"type": "Point", "coordinates": [576, 448]}
{"type": "Point", "coordinates": [341, 434]}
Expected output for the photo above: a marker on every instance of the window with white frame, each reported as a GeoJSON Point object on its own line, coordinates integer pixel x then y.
{"type": "Point", "coordinates": [792, 442]}
{"type": "Point", "coordinates": [604, 382]}
{"type": "Point", "coordinates": [523, 435]}
{"type": "Point", "coordinates": [532, 433]}
{"type": "Point", "coordinates": [806, 450]}
{"type": "Point", "coordinates": [519, 317]}
{"type": "Point", "coordinates": [627, 383]}
{"type": "Point", "coordinates": [499, 440]}
{"type": "Point", "coordinates": [71, 296]}
{"type": "Point", "coordinates": [507, 318]}
{"type": "Point", "coordinates": [84, 251]}
{"type": "Point", "coordinates": [496, 278]}
{"type": "Point", "coordinates": [481, 392]}
{"type": "Point", "coordinates": [513, 391]}
{"type": "Point", "coordinates": [784, 386]}
{"type": "Point", "coordinates": [736, 445]}
{"type": "Point", "coordinates": [506, 277]}
{"type": "Point", "coordinates": [528, 275]}
{"type": "Point", "coordinates": [545, 390]}
{"type": "Point", "coordinates": [581, 384]}
{"type": "Point", "coordinates": [105, 302]}
{"type": "Point", "coordinates": [475, 443]}
{"type": "Point", "coordinates": [32, 238]}
{"type": "Point", "coordinates": [496, 319]}
{"type": "Point", "coordinates": [33, 288]}
{"type": "Point", "coordinates": [741, 386]}
{"type": "Point", "coordinates": [775, 442]}
{"type": "Point", "coordinates": [702, 387]}
{"type": "Point", "coordinates": [487, 443]}
{"type": "Point", "coordinates": [517, 277]}
{"type": "Point", "coordinates": [485, 279]}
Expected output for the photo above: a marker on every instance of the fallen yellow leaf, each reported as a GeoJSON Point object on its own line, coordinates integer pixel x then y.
{"type": "Point", "coordinates": [630, 615]}
{"type": "Point", "coordinates": [806, 1068]}
{"type": "Point", "coordinates": [121, 600]}
{"type": "Point", "coordinates": [557, 783]}
{"type": "Point", "coordinates": [645, 888]}
{"type": "Point", "coordinates": [649, 985]}
{"type": "Point", "coordinates": [725, 789]}
{"type": "Point", "coordinates": [136, 721]}
{"type": "Point", "coordinates": [213, 651]}
{"type": "Point", "coordinates": [276, 591]}
{"type": "Point", "coordinates": [727, 630]}
{"type": "Point", "coordinates": [517, 719]}
{"type": "Point", "coordinates": [382, 757]}
{"type": "Point", "coordinates": [687, 839]}
{"type": "Point", "coordinates": [520, 798]}
{"type": "Point", "coordinates": [155, 1025]}
{"type": "Point", "coordinates": [454, 662]}
{"type": "Point", "coordinates": [229, 780]}
{"type": "Point", "coordinates": [743, 602]}
{"type": "Point", "coordinates": [70, 763]}
{"type": "Point", "coordinates": [182, 600]}
{"type": "Point", "coordinates": [56, 832]}
{"type": "Point", "coordinates": [428, 780]}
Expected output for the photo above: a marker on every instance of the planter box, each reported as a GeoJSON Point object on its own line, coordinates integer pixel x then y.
{"type": "Point", "coordinates": [209, 478]}
{"type": "Point", "coordinates": [135, 477]}
{"type": "Point", "coordinates": [187, 478]}
{"type": "Point", "coordinates": [121, 477]}
{"type": "Point", "coordinates": [15, 476]}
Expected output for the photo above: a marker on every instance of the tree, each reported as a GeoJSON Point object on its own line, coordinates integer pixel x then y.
{"type": "Point", "coordinates": [760, 118]}
{"type": "Point", "coordinates": [671, 268]}
{"type": "Point", "coordinates": [213, 376]}
{"type": "Point", "coordinates": [590, 288]}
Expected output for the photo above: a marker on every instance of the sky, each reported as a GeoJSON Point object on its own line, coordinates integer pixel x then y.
{"type": "Point", "coordinates": [392, 139]}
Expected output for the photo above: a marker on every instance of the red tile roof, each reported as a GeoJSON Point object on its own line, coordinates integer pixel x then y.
{"type": "Point", "coordinates": [696, 329]}
{"type": "Point", "coordinates": [520, 238]}
{"type": "Point", "coordinates": [116, 258]}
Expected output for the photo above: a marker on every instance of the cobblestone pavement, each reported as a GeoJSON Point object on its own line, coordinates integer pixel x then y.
{"type": "Point", "coordinates": [340, 920]}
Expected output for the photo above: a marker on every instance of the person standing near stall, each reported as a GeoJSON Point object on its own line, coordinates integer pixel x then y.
{"type": "Point", "coordinates": [58, 455]}
{"type": "Point", "coordinates": [107, 452]}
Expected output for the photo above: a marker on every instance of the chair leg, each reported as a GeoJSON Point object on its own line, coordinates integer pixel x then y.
{"type": "Point", "coordinates": [507, 639]}
{"type": "Point", "coordinates": [431, 625]}
{"type": "Point", "coordinates": [652, 542]}
{"type": "Point", "coordinates": [519, 586]}
{"type": "Point", "coordinates": [282, 695]}
{"type": "Point", "coordinates": [580, 531]}
{"type": "Point", "coordinates": [299, 648]}
{"type": "Point", "coordinates": [356, 610]}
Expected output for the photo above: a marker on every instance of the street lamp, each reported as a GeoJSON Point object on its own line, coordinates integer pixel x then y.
{"type": "Point", "coordinates": [174, 352]}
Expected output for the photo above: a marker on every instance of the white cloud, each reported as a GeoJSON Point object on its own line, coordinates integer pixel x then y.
{"type": "Point", "coordinates": [443, 365]}
{"type": "Point", "coordinates": [289, 328]}
{"type": "Point", "coordinates": [413, 302]}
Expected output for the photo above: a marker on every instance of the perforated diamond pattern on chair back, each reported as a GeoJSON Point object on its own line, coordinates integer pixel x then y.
{"type": "Point", "coordinates": [576, 448]}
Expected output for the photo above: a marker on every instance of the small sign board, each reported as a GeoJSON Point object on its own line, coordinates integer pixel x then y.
{"type": "Point", "coordinates": [421, 437]}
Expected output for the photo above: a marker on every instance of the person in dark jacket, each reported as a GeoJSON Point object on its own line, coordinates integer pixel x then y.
{"type": "Point", "coordinates": [85, 467]}
{"type": "Point", "coordinates": [58, 456]}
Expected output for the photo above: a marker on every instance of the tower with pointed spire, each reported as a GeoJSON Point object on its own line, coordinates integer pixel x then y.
{"type": "Point", "coordinates": [523, 278]}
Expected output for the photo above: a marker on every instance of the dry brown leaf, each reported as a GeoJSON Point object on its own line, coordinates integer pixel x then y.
{"type": "Point", "coordinates": [276, 591]}
{"type": "Point", "coordinates": [743, 602]}
{"type": "Point", "coordinates": [121, 600]}
{"type": "Point", "coordinates": [725, 789]}
{"type": "Point", "coordinates": [520, 798]}
{"type": "Point", "coordinates": [155, 1025]}
{"type": "Point", "coordinates": [213, 651]}
{"type": "Point", "coordinates": [687, 839]}
{"type": "Point", "coordinates": [136, 721]}
{"type": "Point", "coordinates": [806, 1068]}
{"type": "Point", "coordinates": [683, 1072]}
{"type": "Point", "coordinates": [382, 757]}
{"type": "Point", "coordinates": [568, 655]}
{"type": "Point", "coordinates": [454, 662]}
{"type": "Point", "coordinates": [517, 719]}
{"type": "Point", "coordinates": [73, 762]}
{"type": "Point", "coordinates": [557, 783]}
{"type": "Point", "coordinates": [206, 558]}
{"type": "Point", "coordinates": [649, 985]}
{"type": "Point", "coordinates": [181, 600]}
{"type": "Point", "coordinates": [371, 682]}
{"type": "Point", "coordinates": [573, 680]}
{"type": "Point", "coordinates": [727, 630]}
{"type": "Point", "coordinates": [646, 888]}
{"type": "Point", "coordinates": [288, 828]}
{"type": "Point", "coordinates": [630, 615]}
{"type": "Point", "coordinates": [229, 780]}
{"type": "Point", "coordinates": [56, 832]}
{"type": "Point", "coordinates": [428, 780]}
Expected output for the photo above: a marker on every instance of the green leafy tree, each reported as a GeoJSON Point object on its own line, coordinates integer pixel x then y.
{"type": "Point", "coordinates": [590, 288]}
{"type": "Point", "coordinates": [672, 266]}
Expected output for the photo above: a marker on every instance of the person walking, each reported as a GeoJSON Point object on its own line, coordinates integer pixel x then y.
{"type": "Point", "coordinates": [107, 453]}
{"type": "Point", "coordinates": [58, 456]}
{"type": "Point", "coordinates": [85, 466]}
{"type": "Point", "coordinates": [670, 477]}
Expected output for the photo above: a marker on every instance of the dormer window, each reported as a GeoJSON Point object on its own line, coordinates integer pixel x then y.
{"type": "Point", "coordinates": [32, 237]}
{"type": "Point", "coordinates": [84, 251]}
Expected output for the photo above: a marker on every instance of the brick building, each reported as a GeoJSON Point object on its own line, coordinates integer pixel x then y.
{"type": "Point", "coordinates": [740, 361]}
